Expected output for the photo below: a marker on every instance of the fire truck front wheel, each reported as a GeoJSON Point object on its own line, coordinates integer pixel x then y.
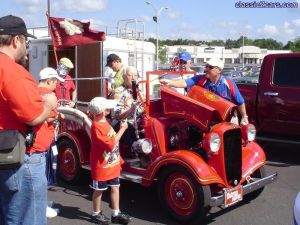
{"type": "Point", "coordinates": [68, 162]}
{"type": "Point", "coordinates": [180, 194]}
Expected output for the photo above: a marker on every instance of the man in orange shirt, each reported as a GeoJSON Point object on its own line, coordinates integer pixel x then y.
{"type": "Point", "coordinates": [23, 190]}
{"type": "Point", "coordinates": [105, 160]}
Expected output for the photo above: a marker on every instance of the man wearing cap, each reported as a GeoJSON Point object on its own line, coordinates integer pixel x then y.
{"type": "Point", "coordinates": [46, 135]}
{"type": "Point", "coordinates": [23, 189]}
{"type": "Point", "coordinates": [114, 62]}
{"type": "Point", "coordinates": [66, 90]}
{"type": "Point", "coordinates": [185, 63]}
{"type": "Point", "coordinates": [213, 80]}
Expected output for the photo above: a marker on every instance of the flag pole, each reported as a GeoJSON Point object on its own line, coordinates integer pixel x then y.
{"type": "Point", "coordinates": [54, 48]}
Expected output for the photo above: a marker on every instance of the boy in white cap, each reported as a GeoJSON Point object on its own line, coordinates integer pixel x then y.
{"type": "Point", "coordinates": [48, 78]}
{"type": "Point", "coordinates": [105, 160]}
{"type": "Point", "coordinates": [66, 90]}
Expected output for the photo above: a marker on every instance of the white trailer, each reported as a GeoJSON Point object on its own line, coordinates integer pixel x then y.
{"type": "Point", "coordinates": [127, 42]}
{"type": "Point", "coordinates": [140, 54]}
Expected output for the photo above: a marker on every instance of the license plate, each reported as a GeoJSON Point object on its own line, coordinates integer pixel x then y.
{"type": "Point", "coordinates": [233, 195]}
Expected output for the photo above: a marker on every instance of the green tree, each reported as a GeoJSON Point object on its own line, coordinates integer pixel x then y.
{"type": "Point", "coordinates": [295, 45]}
{"type": "Point", "coordinates": [288, 45]}
{"type": "Point", "coordinates": [269, 43]}
{"type": "Point", "coordinates": [217, 43]}
{"type": "Point", "coordinates": [162, 54]}
{"type": "Point", "coordinates": [229, 43]}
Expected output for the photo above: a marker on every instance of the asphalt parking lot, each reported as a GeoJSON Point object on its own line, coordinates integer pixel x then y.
{"type": "Point", "coordinates": [272, 207]}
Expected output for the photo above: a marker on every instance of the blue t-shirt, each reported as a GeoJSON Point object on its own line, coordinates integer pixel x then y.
{"type": "Point", "coordinates": [221, 88]}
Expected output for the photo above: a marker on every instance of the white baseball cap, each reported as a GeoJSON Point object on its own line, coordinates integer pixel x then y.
{"type": "Point", "coordinates": [49, 72]}
{"type": "Point", "coordinates": [99, 104]}
{"type": "Point", "coordinates": [216, 62]}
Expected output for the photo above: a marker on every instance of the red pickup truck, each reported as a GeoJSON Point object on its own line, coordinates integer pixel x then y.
{"type": "Point", "coordinates": [273, 104]}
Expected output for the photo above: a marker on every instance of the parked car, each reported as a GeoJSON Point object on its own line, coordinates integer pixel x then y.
{"type": "Point", "coordinates": [273, 102]}
{"type": "Point", "coordinates": [231, 72]}
{"type": "Point", "coordinates": [186, 147]}
{"type": "Point", "coordinates": [249, 77]}
{"type": "Point", "coordinates": [296, 212]}
{"type": "Point", "coordinates": [198, 69]}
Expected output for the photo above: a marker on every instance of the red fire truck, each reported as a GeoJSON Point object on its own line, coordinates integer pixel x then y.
{"type": "Point", "coordinates": [186, 146]}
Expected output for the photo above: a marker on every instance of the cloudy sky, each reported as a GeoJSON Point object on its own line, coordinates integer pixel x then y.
{"type": "Point", "coordinates": [193, 19]}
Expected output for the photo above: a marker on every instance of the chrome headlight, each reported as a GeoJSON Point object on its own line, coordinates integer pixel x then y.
{"type": "Point", "coordinates": [143, 146]}
{"type": "Point", "coordinates": [212, 143]}
{"type": "Point", "coordinates": [215, 142]}
{"type": "Point", "coordinates": [249, 132]}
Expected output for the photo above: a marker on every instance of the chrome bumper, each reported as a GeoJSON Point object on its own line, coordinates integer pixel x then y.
{"type": "Point", "coordinates": [248, 188]}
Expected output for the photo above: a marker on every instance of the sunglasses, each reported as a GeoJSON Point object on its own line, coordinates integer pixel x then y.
{"type": "Point", "coordinates": [24, 39]}
{"type": "Point", "coordinates": [182, 61]}
{"type": "Point", "coordinates": [209, 67]}
{"type": "Point", "coordinates": [27, 43]}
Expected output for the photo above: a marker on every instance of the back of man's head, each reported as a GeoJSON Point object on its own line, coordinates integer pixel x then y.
{"type": "Point", "coordinates": [131, 71]}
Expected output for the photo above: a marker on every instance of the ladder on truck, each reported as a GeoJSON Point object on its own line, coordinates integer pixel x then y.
{"type": "Point", "coordinates": [133, 29]}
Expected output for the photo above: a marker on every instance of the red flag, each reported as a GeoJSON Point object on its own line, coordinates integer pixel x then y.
{"type": "Point", "coordinates": [68, 32]}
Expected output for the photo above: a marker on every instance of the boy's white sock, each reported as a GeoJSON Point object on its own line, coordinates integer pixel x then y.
{"type": "Point", "coordinates": [115, 212]}
{"type": "Point", "coordinates": [95, 213]}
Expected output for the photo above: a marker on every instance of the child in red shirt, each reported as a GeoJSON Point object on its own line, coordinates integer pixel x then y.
{"type": "Point", "coordinates": [105, 160]}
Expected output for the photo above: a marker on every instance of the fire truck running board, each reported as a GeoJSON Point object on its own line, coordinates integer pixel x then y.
{"type": "Point", "coordinates": [131, 177]}
{"type": "Point", "coordinates": [124, 175]}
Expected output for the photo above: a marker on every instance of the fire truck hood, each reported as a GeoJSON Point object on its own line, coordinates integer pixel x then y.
{"type": "Point", "coordinates": [200, 106]}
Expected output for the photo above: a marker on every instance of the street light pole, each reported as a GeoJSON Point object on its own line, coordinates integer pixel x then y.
{"type": "Point", "coordinates": [243, 49]}
{"type": "Point", "coordinates": [49, 13]}
{"type": "Point", "coordinates": [156, 19]}
{"type": "Point", "coordinates": [48, 7]}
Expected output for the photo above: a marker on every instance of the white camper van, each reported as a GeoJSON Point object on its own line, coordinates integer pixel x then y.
{"type": "Point", "coordinates": [140, 54]}
{"type": "Point", "coordinates": [89, 60]}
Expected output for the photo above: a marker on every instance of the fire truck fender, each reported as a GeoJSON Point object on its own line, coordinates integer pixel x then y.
{"type": "Point", "coordinates": [79, 143]}
{"type": "Point", "coordinates": [253, 159]}
{"type": "Point", "coordinates": [186, 159]}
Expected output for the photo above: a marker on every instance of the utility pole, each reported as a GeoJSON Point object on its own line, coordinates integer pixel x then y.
{"type": "Point", "coordinates": [243, 50]}
{"type": "Point", "coordinates": [49, 13]}
{"type": "Point", "coordinates": [156, 20]}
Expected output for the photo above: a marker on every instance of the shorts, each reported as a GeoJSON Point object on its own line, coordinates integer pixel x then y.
{"type": "Point", "coordinates": [102, 185]}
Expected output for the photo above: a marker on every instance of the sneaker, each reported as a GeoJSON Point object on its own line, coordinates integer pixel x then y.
{"type": "Point", "coordinates": [50, 213]}
{"type": "Point", "coordinates": [121, 218]}
{"type": "Point", "coordinates": [56, 209]}
{"type": "Point", "coordinates": [101, 219]}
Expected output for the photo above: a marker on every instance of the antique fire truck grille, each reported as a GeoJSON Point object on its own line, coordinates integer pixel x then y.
{"type": "Point", "coordinates": [233, 155]}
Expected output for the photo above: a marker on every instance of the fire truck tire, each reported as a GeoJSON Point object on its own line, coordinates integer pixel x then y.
{"type": "Point", "coordinates": [68, 162]}
{"type": "Point", "coordinates": [182, 197]}
{"type": "Point", "coordinates": [261, 172]}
